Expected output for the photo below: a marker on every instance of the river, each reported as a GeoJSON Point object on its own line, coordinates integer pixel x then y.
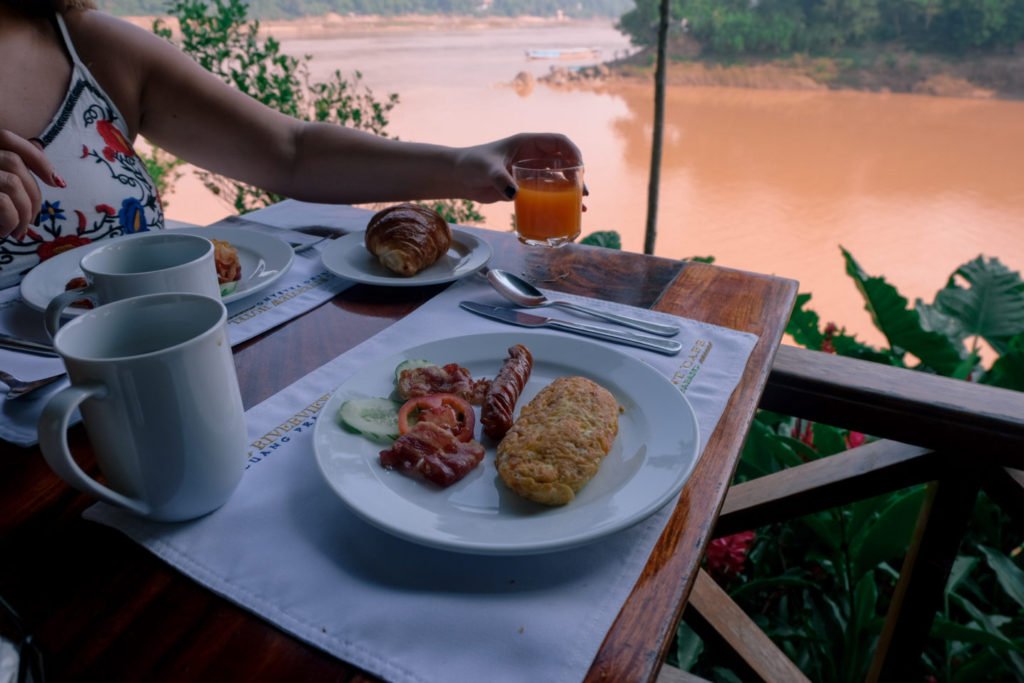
{"type": "Point", "coordinates": [765, 180]}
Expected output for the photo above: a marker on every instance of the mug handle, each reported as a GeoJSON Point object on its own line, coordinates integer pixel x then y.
{"type": "Point", "coordinates": [55, 309]}
{"type": "Point", "coordinates": [53, 429]}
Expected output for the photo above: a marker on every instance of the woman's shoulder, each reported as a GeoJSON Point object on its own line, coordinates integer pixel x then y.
{"type": "Point", "coordinates": [118, 53]}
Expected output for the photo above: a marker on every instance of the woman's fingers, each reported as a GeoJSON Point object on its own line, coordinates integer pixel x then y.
{"type": "Point", "coordinates": [545, 146]}
{"type": "Point", "coordinates": [20, 198]}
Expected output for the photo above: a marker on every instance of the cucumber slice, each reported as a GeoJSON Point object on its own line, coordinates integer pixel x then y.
{"type": "Point", "coordinates": [410, 364]}
{"type": "Point", "coordinates": [376, 418]}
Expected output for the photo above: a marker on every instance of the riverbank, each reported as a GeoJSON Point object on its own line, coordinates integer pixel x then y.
{"type": "Point", "coordinates": [882, 69]}
{"type": "Point", "coordinates": [332, 24]}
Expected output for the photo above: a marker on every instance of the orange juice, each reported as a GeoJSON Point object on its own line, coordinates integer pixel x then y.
{"type": "Point", "coordinates": [548, 210]}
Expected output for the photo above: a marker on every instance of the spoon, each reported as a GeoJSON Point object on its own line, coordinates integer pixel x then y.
{"type": "Point", "coordinates": [522, 293]}
{"type": "Point", "coordinates": [17, 388]}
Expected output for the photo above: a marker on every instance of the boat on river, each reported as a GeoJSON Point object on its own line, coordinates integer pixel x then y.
{"type": "Point", "coordinates": [565, 53]}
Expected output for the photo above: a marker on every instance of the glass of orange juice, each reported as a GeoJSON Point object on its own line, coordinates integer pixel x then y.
{"type": "Point", "coordinates": [549, 201]}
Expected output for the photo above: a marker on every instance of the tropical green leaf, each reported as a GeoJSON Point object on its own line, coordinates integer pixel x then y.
{"type": "Point", "coordinates": [950, 630]}
{"type": "Point", "coordinates": [991, 306]}
{"type": "Point", "coordinates": [962, 567]}
{"type": "Point", "coordinates": [689, 647]}
{"type": "Point", "coordinates": [1008, 574]}
{"type": "Point", "coordinates": [609, 239]}
{"type": "Point", "coordinates": [803, 325]}
{"type": "Point", "coordinates": [887, 536]}
{"type": "Point", "coordinates": [901, 325]}
{"type": "Point", "coordinates": [828, 440]}
{"type": "Point", "coordinates": [780, 582]}
{"type": "Point", "coordinates": [825, 528]}
{"type": "Point", "coordinates": [989, 623]}
{"type": "Point", "coordinates": [933, 318]}
{"type": "Point", "coordinates": [846, 345]}
{"type": "Point", "coordinates": [1008, 370]}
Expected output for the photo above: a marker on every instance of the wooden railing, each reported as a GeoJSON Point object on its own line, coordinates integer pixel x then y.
{"type": "Point", "coordinates": [958, 437]}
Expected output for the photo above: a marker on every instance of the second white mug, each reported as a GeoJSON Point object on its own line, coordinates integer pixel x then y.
{"type": "Point", "coordinates": [147, 263]}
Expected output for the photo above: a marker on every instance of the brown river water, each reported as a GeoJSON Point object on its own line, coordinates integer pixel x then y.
{"type": "Point", "coordinates": [766, 180]}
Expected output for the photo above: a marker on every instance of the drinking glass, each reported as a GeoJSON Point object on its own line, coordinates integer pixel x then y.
{"type": "Point", "coordinates": [549, 202]}
{"type": "Point", "coordinates": [549, 213]}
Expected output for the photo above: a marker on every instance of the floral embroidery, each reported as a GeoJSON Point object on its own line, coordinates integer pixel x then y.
{"type": "Point", "coordinates": [50, 212]}
{"type": "Point", "coordinates": [133, 218]}
{"type": "Point", "coordinates": [61, 244]}
{"type": "Point", "coordinates": [116, 142]}
{"type": "Point", "coordinates": [107, 169]}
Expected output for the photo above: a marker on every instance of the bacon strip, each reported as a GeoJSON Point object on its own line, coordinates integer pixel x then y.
{"type": "Point", "coordinates": [447, 379]}
{"type": "Point", "coordinates": [432, 452]}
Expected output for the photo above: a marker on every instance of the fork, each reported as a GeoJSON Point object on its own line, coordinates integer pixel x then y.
{"type": "Point", "coordinates": [17, 388]}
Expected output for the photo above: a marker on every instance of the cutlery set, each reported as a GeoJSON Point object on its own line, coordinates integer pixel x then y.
{"type": "Point", "coordinates": [524, 294]}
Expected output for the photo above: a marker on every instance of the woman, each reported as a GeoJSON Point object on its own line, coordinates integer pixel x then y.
{"type": "Point", "coordinates": [79, 85]}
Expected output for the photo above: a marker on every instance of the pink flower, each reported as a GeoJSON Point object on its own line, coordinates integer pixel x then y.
{"type": "Point", "coordinates": [854, 439]}
{"type": "Point", "coordinates": [727, 556]}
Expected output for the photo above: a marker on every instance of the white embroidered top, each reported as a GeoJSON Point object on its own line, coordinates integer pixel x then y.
{"type": "Point", "coordinates": [108, 193]}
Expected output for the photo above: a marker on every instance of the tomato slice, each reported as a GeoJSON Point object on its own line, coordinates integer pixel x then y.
{"type": "Point", "coordinates": [447, 410]}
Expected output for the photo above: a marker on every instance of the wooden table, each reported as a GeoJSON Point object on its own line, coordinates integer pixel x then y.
{"type": "Point", "coordinates": [104, 608]}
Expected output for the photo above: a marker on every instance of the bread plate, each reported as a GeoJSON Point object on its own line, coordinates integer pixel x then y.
{"type": "Point", "coordinates": [653, 454]}
{"type": "Point", "coordinates": [347, 257]}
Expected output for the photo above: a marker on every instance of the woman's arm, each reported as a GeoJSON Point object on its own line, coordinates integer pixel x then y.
{"type": "Point", "coordinates": [181, 107]}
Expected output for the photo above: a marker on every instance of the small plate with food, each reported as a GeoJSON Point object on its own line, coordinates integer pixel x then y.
{"type": "Point", "coordinates": [247, 262]}
{"type": "Point", "coordinates": [506, 443]}
{"type": "Point", "coordinates": [406, 245]}
{"type": "Point", "coordinates": [261, 261]}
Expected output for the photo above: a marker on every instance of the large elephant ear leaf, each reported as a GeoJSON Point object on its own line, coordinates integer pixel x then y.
{"type": "Point", "coordinates": [1008, 370]}
{"type": "Point", "coordinates": [803, 324]}
{"type": "Point", "coordinates": [991, 306]}
{"type": "Point", "coordinates": [902, 325]}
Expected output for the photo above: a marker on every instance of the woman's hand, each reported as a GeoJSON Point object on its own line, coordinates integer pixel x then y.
{"type": "Point", "coordinates": [20, 199]}
{"type": "Point", "coordinates": [486, 170]}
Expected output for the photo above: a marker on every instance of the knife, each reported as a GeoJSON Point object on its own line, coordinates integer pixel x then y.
{"type": "Point", "coordinates": [508, 315]}
{"type": "Point", "coordinates": [26, 346]}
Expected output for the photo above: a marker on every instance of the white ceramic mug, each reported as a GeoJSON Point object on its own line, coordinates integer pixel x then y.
{"type": "Point", "coordinates": [155, 380]}
{"type": "Point", "coordinates": [146, 263]}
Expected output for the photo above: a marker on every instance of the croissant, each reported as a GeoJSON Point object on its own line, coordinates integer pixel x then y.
{"type": "Point", "coordinates": [406, 238]}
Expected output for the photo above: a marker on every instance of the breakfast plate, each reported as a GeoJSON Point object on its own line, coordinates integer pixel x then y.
{"type": "Point", "coordinates": [264, 259]}
{"type": "Point", "coordinates": [653, 454]}
{"type": "Point", "coordinates": [348, 257]}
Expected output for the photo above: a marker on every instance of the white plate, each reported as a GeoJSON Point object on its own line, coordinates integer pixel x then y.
{"type": "Point", "coordinates": [348, 257]}
{"type": "Point", "coordinates": [264, 259]}
{"type": "Point", "coordinates": [651, 458]}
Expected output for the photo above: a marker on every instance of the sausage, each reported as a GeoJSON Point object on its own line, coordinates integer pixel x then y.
{"type": "Point", "coordinates": [500, 401]}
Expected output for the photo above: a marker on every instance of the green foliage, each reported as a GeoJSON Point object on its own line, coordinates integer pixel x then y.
{"type": "Point", "coordinates": [225, 43]}
{"type": "Point", "coordinates": [820, 585]}
{"type": "Point", "coordinates": [604, 238]}
{"type": "Point", "coordinates": [163, 168]}
{"type": "Point", "coordinates": [280, 9]}
{"type": "Point", "coordinates": [456, 210]}
{"type": "Point", "coordinates": [735, 27]}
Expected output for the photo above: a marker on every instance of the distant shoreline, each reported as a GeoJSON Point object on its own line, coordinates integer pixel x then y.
{"type": "Point", "coordinates": [333, 24]}
{"type": "Point", "coordinates": [883, 69]}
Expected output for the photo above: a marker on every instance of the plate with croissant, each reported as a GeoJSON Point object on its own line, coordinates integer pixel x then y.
{"type": "Point", "coordinates": [406, 245]}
